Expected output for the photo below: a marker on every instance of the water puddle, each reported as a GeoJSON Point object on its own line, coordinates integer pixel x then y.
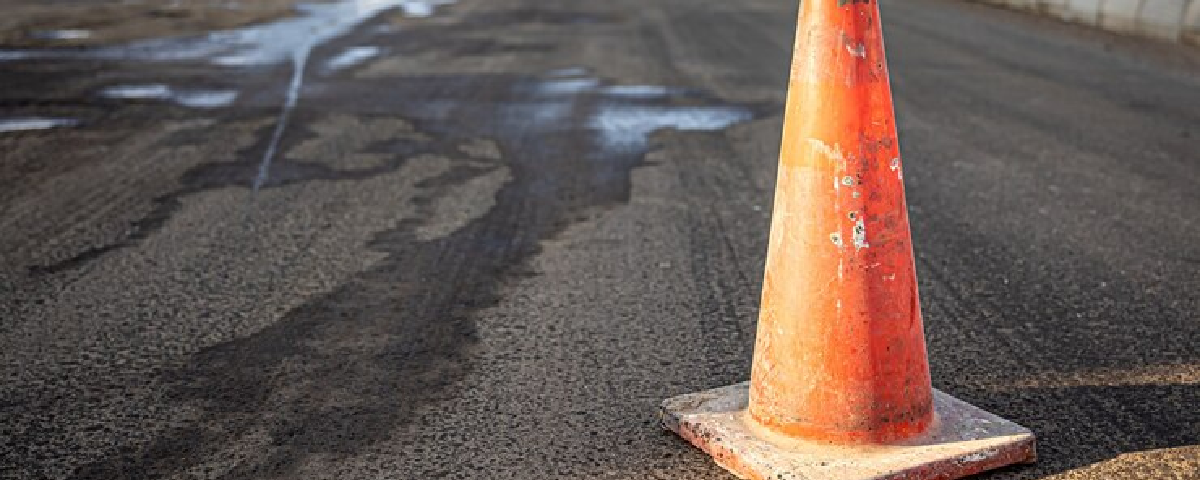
{"type": "Point", "coordinates": [264, 44]}
{"type": "Point", "coordinates": [567, 72]}
{"type": "Point", "coordinates": [628, 127]}
{"type": "Point", "coordinates": [567, 86]}
{"type": "Point", "coordinates": [623, 116]}
{"type": "Point", "coordinates": [186, 97]}
{"type": "Point", "coordinates": [34, 123]}
{"type": "Point", "coordinates": [287, 40]}
{"type": "Point", "coordinates": [351, 57]}
{"type": "Point", "coordinates": [421, 8]}
{"type": "Point", "coordinates": [637, 91]}
{"type": "Point", "coordinates": [70, 34]}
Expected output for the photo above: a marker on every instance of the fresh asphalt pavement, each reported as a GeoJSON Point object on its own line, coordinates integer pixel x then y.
{"type": "Point", "coordinates": [491, 236]}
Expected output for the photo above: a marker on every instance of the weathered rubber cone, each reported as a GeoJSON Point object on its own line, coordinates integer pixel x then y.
{"type": "Point", "coordinates": [840, 386]}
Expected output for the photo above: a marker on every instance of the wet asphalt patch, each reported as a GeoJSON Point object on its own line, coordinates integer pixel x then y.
{"type": "Point", "coordinates": [570, 141]}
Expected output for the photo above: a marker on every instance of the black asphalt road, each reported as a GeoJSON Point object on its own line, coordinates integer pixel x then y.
{"type": "Point", "coordinates": [492, 249]}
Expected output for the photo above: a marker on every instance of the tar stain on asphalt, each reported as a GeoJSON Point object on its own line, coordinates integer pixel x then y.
{"type": "Point", "coordinates": [237, 173]}
{"type": "Point", "coordinates": [340, 372]}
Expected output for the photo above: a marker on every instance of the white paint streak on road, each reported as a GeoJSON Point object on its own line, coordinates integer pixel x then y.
{"type": "Point", "coordinates": [351, 57]}
{"type": "Point", "coordinates": [34, 123]}
{"type": "Point", "coordinates": [299, 61]}
{"type": "Point", "coordinates": [186, 97]}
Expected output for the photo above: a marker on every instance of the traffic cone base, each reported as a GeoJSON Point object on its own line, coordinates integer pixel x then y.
{"type": "Point", "coordinates": [963, 440]}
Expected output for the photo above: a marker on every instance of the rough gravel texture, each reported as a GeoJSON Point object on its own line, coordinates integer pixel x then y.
{"type": "Point", "coordinates": [474, 259]}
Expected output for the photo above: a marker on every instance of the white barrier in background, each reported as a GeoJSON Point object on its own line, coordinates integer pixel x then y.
{"type": "Point", "coordinates": [1171, 20]}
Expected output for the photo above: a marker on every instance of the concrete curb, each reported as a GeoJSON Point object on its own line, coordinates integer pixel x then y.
{"type": "Point", "coordinates": [1170, 20]}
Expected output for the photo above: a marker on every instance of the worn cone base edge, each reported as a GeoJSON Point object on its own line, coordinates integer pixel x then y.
{"type": "Point", "coordinates": [964, 440]}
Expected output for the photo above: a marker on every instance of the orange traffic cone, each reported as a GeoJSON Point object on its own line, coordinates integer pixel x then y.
{"type": "Point", "coordinates": [840, 386]}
